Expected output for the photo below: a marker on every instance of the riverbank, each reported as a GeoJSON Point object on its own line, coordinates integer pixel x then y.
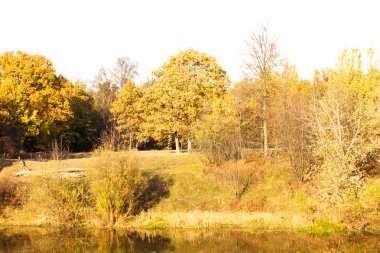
{"type": "Point", "coordinates": [252, 194]}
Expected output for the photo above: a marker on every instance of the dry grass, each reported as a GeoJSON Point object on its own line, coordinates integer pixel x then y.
{"type": "Point", "coordinates": [204, 219]}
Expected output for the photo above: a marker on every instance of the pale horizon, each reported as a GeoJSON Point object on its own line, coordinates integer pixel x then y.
{"type": "Point", "coordinates": [81, 36]}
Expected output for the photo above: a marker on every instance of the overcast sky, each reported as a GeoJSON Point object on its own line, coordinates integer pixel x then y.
{"type": "Point", "coordinates": [79, 36]}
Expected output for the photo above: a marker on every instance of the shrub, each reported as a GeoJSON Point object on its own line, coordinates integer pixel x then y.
{"type": "Point", "coordinates": [110, 140]}
{"type": "Point", "coordinates": [13, 192]}
{"type": "Point", "coordinates": [237, 174]}
{"type": "Point", "coordinates": [306, 204]}
{"type": "Point", "coordinates": [354, 214]}
{"type": "Point", "coordinates": [370, 164]}
{"type": "Point", "coordinates": [121, 189]}
{"type": "Point", "coordinates": [58, 151]}
{"type": "Point", "coordinates": [371, 196]}
{"type": "Point", "coordinates": [66, 200]}
{"type": "Point", "coordinates": [363, 213]}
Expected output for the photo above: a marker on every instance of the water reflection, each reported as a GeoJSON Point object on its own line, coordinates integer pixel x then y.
{"type": "Point", "coordinates": [13, 242]}
{"type": "Point", "coordinates": [114, 241]}
{"type": "Point", "coordinates": [49, 240]}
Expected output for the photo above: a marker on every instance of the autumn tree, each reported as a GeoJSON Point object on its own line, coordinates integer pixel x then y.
{"type": "Point", "coordinates": [219, 130]}
{"type": "Point", "coordinates": [181, 90]}
{"type": "Point", "coordinates": [264, 58]}
{"type": "Point", "coordinates": [346, 125]}
{"type": "Point", "coordinates": [26, 83]}
{"type": "Point", "coordinates": [245, 101]}
{"type": "Point", "coordinates": [126, 111]}
{"type": "Point", "coordinates": [36, 104]}
{"type": "Point", "coordinates": [85, 124]}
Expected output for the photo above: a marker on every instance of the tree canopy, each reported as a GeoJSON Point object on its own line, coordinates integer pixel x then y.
{"type": "Point", "coordinates": [127, 113]}
{"type": "Point", "coordinates": [180, 90]}
{"type": "Point", "coordinates": [37, 106]}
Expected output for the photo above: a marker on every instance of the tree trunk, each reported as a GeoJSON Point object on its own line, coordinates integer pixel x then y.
{"type": "Point", "coordinates": [177, 150]}
{"type": "Point", "coordinates": [130, 141]}
{"type": "Point", "coordinates": [265, 138]}
{"type": "Point", "coordinates": [111, 219]}
{"type": "Point", "coordinates": [265, 131]}
{"type": "Point", "coordinates": [169, 146]}
{"type": "Point", "coordinates": [188, 145]}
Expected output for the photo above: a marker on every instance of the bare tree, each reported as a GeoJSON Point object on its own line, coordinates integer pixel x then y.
{"type": "Point", "coordinates": [124, 70]}
{"type": "Point", "coordinates": [264, 58]}
{"type": "Point", "coordinates": [101, 76]}
{"type": "Point", "coordinates": [105, 93]}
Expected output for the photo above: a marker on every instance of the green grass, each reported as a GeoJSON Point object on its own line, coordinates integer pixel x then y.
{"type": "Point", "coordinates": [324, 228]}
{"type": "Point", "coordinates": [191, 189]}
{"type": "Point", "coordinates": [156, 225]}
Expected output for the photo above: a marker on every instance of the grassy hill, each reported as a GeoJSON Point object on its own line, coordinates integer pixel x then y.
{"type": "Point", "coordinates": [247, 194]}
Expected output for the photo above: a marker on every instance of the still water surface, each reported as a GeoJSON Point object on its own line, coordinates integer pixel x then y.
{"type": "Point", "coordinates": [48, 240]}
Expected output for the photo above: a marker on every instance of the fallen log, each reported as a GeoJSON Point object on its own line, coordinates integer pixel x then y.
{"type": "Point", "coordinates": [63, 173]}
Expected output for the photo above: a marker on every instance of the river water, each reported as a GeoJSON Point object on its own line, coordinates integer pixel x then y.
{"type": "Point", "coordinates": [18, 239]}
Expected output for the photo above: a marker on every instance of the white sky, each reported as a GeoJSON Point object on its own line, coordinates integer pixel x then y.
{"type": "Point", "coordinates": [79, 36]}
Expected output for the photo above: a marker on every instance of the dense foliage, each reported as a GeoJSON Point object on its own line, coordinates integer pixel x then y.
{"type": "Point", "coordinates": [37, 106]}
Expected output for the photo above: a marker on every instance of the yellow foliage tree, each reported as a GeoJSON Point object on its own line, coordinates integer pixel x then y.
{"type": "Point", "coordinates": [126, 112]}
{"type": "Point", "coordinates": [37, 106]}
{"type": "Point", "coordinates": [219, 130]}
{"type": "Point", "coordinates": [181, 89]}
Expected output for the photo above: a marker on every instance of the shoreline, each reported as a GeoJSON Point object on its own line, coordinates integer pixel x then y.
{"type": "Point", "coordinates": [204, 220]}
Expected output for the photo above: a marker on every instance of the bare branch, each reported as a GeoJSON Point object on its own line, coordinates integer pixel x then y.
{"type": "Point", "coordinates": [125, 69]}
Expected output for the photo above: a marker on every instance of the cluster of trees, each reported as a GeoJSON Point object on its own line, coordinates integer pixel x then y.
{"type": "Point", "coordinates": [165, 111]}
{"type": "Point", "coordinates": [329, 124]}
{"type": "Point", "coordinates": [38, 106]}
